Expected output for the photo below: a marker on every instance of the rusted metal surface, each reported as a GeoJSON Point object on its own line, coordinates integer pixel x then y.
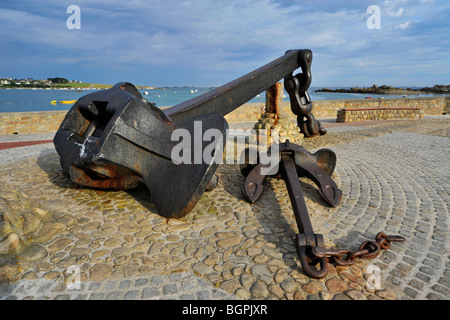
{"type": "Point", "coordinates": [108, 176]}
{"type": "Point", "coordinates": [296, 161]}
{"type": "Point", "coordinates": [274, 97]}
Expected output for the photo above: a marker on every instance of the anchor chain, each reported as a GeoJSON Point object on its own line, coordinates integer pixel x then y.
{"type": "Point", "coordinates": [368, 250]}
{"type": "Point", "coordinates": [301, 104]}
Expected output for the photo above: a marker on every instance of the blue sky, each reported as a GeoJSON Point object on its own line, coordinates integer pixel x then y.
{"type": "Point", "coordinates": [211, 42]}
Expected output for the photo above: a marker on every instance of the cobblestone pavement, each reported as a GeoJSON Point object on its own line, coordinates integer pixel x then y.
{"type": "Point", "coordinates": [80, 243]}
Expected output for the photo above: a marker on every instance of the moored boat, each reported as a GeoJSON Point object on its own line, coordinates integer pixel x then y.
{"type": "Point", "coordinates": [68, 101]}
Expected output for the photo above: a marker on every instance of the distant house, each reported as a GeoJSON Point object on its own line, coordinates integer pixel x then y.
{"type": "Point", "coordinates": [5, 81]}
{"type": "Point", "coordinates": [45, 81]}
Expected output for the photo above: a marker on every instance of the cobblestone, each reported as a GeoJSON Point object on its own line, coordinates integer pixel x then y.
{"type": "Point", "coordinates": [115, 245]}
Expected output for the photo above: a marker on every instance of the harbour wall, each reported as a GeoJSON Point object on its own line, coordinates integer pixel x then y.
{"type": "Point", "coordinates": [49, 121]}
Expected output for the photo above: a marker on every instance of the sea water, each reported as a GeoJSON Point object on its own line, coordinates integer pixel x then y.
{"type": "Point", "coordinates": [21, 100]}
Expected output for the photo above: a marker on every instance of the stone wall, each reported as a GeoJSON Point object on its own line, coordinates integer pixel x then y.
{"type": "Point", "coordinates": [249, 112]}
{"type": "Point", "coordinates": [354, 115]}
{"type": "Point", "coordinates": [429, 105]}
{"type": "Point", "coordinates": [49, 121]}
{"type": "Point", "coordinates": [329, 108]}
{"type": "Point", "coordinates": [30, 122]}
{"type": "Point", "coordinates": [447, 106]}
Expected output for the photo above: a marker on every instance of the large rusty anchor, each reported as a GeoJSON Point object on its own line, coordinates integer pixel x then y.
{"type": "Point", "coordinates": [296, 161]}
{"type": "Point", "coordinates": [116, 139]}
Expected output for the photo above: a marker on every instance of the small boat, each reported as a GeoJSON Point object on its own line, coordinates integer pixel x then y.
{"type": "Point", "coordinates": [68, 101]}
{"type": "Point", "coordinates": [146, 92]}
{"type": "Point", "coordinates": [53, 102]}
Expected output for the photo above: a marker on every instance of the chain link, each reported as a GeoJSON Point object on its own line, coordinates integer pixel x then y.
{"type": "Point", "coordinates": [368, 250]}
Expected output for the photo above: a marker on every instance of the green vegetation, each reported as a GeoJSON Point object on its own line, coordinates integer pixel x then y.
{"type": "Point", "coordinates": [58, 80]}
{"type": "Point", "coordinates": [82, 85]}
{"type": "Point", "coordinates": [54, 83]}
{"type": "Point", "coordinates": [68, 85]}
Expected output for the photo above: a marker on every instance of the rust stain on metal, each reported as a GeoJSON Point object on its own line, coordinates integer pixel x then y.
{"type": "Point", "coordinates": [274, 98]}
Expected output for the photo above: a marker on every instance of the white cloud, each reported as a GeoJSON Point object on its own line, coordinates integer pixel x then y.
{"type": "Point", "coordinates": [403, 25]}
{"type": "Point", "coordinates": [222, 37]}
{"type": "Point", "coordinates": [391, 10]}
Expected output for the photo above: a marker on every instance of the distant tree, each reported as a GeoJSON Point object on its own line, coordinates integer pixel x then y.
{"type": "Point", "coordinates": [58, 80]}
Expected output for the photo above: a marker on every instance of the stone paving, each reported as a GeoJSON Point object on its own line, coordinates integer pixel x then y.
{"type": "Point", "coordinates": [78, 243]}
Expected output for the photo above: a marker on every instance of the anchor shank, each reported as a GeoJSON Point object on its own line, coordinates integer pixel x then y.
{"type": "Point", "coordinates": [297, 200]}
{"type": "Point", "coordinates": [230, 96]}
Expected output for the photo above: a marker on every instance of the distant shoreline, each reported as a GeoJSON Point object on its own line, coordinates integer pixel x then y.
{"type": "Point", "coordinates": [388, 90]}
{"type": "Point", "coordinates": [98, 87]}
{"type": "Point", "coordinates": [68, 86]}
